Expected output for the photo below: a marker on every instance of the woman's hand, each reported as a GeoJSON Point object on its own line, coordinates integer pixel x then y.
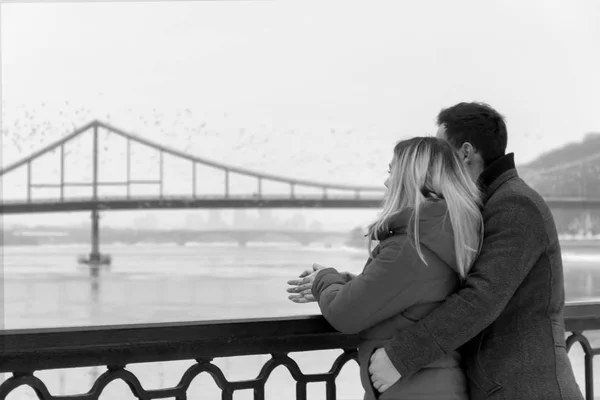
{"type": "Point", "coordinates": [303, 287]}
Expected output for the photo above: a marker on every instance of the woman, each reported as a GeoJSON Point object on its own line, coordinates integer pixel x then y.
{"type": "Point", "coordinates": [429, 233]}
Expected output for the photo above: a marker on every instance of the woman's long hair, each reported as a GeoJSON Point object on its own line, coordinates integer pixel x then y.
{"type": "Point", "coordinates": [424, 168]}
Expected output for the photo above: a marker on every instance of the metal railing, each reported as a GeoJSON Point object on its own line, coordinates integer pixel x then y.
{"type": "Point", "coordinates": [26, 351]}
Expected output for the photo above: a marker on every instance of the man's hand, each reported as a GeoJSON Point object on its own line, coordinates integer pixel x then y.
{"type": "Point", "coordinates": [303, 287]}
{"type": "Point", "coordinates": [382, 371]}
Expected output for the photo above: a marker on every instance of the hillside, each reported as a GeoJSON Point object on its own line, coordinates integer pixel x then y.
{"type": "Point", "coordinates": [572, 170]}
{"type": "Point", "coordinates": [589, 146]}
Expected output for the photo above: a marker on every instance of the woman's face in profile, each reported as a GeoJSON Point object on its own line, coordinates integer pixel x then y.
{"type": "Point", "coordinates": [387, 180]}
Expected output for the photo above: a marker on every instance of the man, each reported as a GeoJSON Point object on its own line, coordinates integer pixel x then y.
{"type": "Point", "coordinates": [508, 316]}
{"type": "Point", "coordinates": [507, 319]}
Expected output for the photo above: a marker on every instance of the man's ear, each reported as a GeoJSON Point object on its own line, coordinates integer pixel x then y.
{"type": "Point", "coordinates": [468, 153]}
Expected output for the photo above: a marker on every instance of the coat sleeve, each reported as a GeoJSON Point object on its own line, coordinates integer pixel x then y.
{"type": "Point", "coordinates": [388, 286]}
{"type": "Point", "coordinates": [347, 276]}
{"type": "Point", "coordinates": [514, 239]}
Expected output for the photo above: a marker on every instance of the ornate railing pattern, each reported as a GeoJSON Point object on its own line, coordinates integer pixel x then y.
{"type": "Point", "coordinates": [27, 351]}
{"type": "Point", "coordinates": [179, 392]}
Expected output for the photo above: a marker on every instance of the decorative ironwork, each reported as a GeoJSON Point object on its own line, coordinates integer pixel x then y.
{"type": "Point", "coordinates": [179, 391]}
{"type": "Point", "coordinates": [27, 351]}
{"type": "Point", "coordinates": [581, 317]}
{"type": "Point", "coordinates": [590, 352]}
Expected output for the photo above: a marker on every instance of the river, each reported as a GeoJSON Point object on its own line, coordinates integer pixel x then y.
{"type": "Point", "coordinates": [44, 287]}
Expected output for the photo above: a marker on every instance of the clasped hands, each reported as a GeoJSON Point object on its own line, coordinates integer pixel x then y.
{"type": "Point", "coordinates": [302, 288]}
{"type": "Point", "coordinates": [382, 371]}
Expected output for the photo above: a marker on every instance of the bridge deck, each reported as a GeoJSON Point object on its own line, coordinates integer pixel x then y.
{"type": "Point", "coordinates": [215, 202]}
{"type": "Point", "coordinates": [87, 204]}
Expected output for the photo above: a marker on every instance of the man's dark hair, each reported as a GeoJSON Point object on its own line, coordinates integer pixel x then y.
{"type": "Point", "coordinates": [478, 124]}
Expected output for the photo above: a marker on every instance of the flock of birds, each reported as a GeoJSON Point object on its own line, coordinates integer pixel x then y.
{"type": "Point", "coordinates": [327, 155]}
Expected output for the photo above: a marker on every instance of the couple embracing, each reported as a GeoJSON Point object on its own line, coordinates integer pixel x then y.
{"type": "Point", "coordinates": [463, 295]}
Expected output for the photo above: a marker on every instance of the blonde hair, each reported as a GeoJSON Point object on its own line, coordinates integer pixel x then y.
{"type": "Point", "coordinates": [424, 168]}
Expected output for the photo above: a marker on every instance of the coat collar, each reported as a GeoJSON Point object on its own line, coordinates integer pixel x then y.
{"type": "Point", "coordinates": [496, 174]}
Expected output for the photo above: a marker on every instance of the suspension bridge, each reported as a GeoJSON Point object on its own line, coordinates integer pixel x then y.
{"type": "Point", "coordinates": [325, 195]}
{"type": "Point", "coordinates": [346, 196]}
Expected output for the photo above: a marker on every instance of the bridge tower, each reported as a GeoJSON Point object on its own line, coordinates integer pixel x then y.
{"type": "Point", "coordinates": [95, 258]}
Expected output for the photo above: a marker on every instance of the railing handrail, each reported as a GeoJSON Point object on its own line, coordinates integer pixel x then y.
{"type": "Point", "coordinates": [581, 309]}
{"type": "Point", "coordinates": [70, 347]}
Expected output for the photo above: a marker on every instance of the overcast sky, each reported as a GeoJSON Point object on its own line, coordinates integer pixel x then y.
{"type": "Point", "coordinates": [310, 89]}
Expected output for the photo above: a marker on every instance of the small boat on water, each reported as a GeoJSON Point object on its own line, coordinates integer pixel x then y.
{"type": "Point", "coordinates": [105, 259]}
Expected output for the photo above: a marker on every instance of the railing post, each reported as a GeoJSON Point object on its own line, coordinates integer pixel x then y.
{"type": "Point", "coordinates": [579, 337]}
{"type": "Point", "coordinates": [357, 194]}
{"type": "Point", "coordinates": [330, 392]}
{"type": "Point", "coordinates": [292, 190]}
{"type": "Point", "coordinates": [300, 390]}
{"type": "Point", "coordinates": [589, 375]}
